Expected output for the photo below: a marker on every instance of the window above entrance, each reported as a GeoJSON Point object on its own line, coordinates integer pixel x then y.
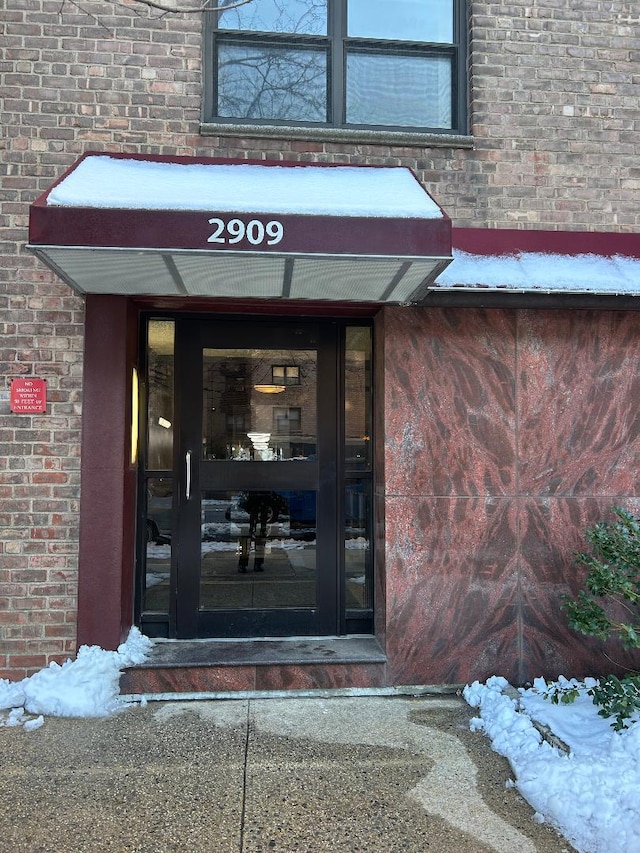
{"type": "Point", "coordinates": [371, 64]}
{"type": "Point", "coordinates": [118, 224]}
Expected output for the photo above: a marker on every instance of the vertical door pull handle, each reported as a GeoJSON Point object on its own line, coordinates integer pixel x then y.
{"type": "Point", "coordinates": [187, 492]}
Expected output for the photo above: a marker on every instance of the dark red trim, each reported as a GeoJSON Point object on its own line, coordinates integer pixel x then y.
{"type": "Point", "coordinates": [508, 241]}
{"type": "Point", "coordinates": [265, 307]}
{"type": "Point", "coordinates": [107, 504]}
{"type": "Point", "coordinates": [179, 229]}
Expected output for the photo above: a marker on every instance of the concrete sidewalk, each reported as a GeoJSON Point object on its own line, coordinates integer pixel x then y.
{"type": "Point", "coordinates": [367, 774]}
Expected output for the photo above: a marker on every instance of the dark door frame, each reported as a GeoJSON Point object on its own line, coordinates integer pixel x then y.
{"type": "Point", "coordinates": [321, 476]}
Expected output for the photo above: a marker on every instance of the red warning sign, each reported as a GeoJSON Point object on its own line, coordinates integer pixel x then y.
{"type": "Point", "coordinates": [28, 396]}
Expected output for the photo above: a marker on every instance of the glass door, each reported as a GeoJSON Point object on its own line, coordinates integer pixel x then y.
{"type": "Point", "coordinates": [255, 479]}
{"type": "Point", "coordinates": [256, 468]}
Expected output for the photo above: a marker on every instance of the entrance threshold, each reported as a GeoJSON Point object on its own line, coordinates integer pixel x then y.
{"type": "Point", "coordinates": [264, 652]}
{"type": "Point", "coordinates": [234, 667]}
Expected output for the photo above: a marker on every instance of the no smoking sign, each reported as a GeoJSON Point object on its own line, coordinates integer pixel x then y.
{"type": "Point", "coordinates": [28, 396]}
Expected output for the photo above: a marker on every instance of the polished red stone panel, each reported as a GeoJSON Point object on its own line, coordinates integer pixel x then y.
{"type": "Point", "coordinates": [552, 532]}
{"type": "Point", "coordinates": [579, 403]}
{"type": "Point", "coordinates": [450, 402]}
{"type": "Point", "coordinates": [213, 679]}
{"type": "Point", "coordinates": [452, 589]}
{"type": "Point", "coordinates": [193, 679]}
{"type": "Point", "coordinates": [320, 676]}
{"type": "Point", "coordinates": [507, 434]}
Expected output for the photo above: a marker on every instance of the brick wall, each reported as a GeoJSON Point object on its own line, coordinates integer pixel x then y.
{"type": "Point", "coordinates": [554, 116]}
{"type": "Point", "coordinates": [39, 469]}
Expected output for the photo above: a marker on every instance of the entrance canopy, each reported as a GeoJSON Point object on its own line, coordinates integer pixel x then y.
{"type": "Point", "coordinates": [143, 225]}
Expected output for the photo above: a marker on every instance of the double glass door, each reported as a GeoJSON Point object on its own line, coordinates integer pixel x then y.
{"type": "Point", "coordinates": [256, 522]}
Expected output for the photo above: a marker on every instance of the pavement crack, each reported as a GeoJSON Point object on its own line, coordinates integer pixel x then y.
{"type": "Point", "coordinates": [244, 775]}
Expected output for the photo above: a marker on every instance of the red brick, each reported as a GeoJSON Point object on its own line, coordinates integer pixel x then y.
{"type": "Point", "coordinates": [50, 477]}
{"type": "Point", "coordinates": [27, 661]}
{"type": "Point", "coordinates": [13, 673]}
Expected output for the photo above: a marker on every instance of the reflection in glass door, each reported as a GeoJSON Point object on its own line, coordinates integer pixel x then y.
{"type": "Point", "coordinates": [155, 493]}
{"type": "Point", "coordinates": [259, 406]}
{"type": "Point", "coordinates": [255, 553]}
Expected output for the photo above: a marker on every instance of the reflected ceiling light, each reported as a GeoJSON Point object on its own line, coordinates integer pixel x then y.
{"type": "Point", "coordinates": [260, 440]}
{"type": "Point", "coordinates": [163, 422]}
{"type": "Point", "coordinates": [269, 388]}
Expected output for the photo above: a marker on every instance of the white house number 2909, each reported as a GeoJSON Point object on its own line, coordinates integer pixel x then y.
{"type": "Point", "coordinates": [255, 231]}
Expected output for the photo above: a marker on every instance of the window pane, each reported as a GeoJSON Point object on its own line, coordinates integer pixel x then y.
{"type": "Point", "coordinates": [272, 82]}
{"type": "Point", "coordinates": [405, 91]}
{"type": "Point", "coordinates": [411, 20]}
{"type": "Point", "coordinates": [247, 417]}
{"type": "Point", "coordinates": [160, 395]}
{"type": "Point", "coordinates": [357, 397]}
{"type": "Point", "coordinates": [155, 596]}
{"type": "Point", "coordinates": [357, 556]}
{"type": "Point", "coordinates": [258, 550]}
{"type": "Point", "coordinates": [286, 374]}
{"type": "Point", "coordinates": [286, 422]}
{"type": "Point", "coordinates": [308, 17]}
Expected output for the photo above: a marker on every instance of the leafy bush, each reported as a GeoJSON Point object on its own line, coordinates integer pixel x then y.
{"type": "Point", "coordinates": [609, 606]}
{"type": "Point", "coordinates": [619, 698]}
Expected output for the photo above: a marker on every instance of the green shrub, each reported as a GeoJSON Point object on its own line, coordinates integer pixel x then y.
{"type": "Point", "coordinates": [609, 607]}
{"type": "Point", "coordinates": [619, 698]}
{"type": "Point", "coordinates": [610, 604]}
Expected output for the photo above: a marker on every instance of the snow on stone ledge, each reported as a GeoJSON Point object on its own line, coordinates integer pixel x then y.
{"type": "Point", "coordinates": [529, 271]}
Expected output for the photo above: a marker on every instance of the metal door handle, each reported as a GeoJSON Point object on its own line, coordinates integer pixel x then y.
{"type": "Point", "coordinates": [187, 491]}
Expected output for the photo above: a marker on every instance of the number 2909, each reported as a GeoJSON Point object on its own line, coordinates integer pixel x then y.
{"type": "Point", "coordinates": [255, 231]}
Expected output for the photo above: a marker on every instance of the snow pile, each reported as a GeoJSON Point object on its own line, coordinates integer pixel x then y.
{"type": "Point", "coordinates": [591, 795]}
{"type": "Point", "coordinates": [85, 687]}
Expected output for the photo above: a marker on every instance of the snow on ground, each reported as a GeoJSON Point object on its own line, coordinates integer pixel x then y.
{"type": "Point", "coordinates": [591, 795]}
{"type": "Point", "coordinates": [85, 687]}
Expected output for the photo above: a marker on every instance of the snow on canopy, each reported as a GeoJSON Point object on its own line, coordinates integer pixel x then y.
{"type": "Point", "coordinates": [132, 184]}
